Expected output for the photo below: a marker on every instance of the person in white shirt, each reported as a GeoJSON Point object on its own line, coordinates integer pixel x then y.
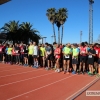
{"type": "Point", "coordinates": [35, 55]}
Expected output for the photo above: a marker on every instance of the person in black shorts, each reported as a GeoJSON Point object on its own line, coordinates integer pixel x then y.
{"type": "Point", "coordinates": [91, 55]}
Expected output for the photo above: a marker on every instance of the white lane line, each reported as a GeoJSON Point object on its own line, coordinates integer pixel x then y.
{"type": "Point", "coordinates": [11, 69]}
{"type": "Point", "coordinates": [25, 79]}
{"type": "Point", "coordinates": [80, 90]}
{"type": "Point", "coordinates": [20, 73]}
{"type": "Point", "coordinates": [39, 88]}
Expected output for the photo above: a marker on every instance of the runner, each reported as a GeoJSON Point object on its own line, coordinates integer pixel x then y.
{"type": "Point", "coordinates": [30, 54]}
{"type": "Point", "coordinates": [9, 54]}
{"type": "Point", "coordinates": [48, 55]}
{"type": "Point", "coordinates": [17, 50]}
{"type": "Point", "coordinates": [42, 55]}
{"type": "Point", "coordinates": [83, 59]}
{"type": "Point", "coordinates": [75, 55]}
{"type": "Point", "coordinates": [91, 56]}
{"type": "Point", "coordinates": [67, 51]}
{"type": "Point", "coordinates": [96, 48]}
{"type": "Point", "coordinates": [35, 55]}
{"type": "Point", "coordinates": [57, 54]}
{"type": "Point", "coordinates": [98, 75]}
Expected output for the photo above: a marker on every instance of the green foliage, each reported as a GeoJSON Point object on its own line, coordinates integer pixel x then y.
{"type": "Point", "coordinates": [20, 32]}
{"type": "Point", "coordinates": [57, 17]}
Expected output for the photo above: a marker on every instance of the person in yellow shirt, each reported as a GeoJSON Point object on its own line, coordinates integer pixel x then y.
{"type": "Point", "coordinates": [30, 54]}
{"type": "Point", "coordinates": [42, 55]}
{"type": "Point", "coordinates": [9, 52]}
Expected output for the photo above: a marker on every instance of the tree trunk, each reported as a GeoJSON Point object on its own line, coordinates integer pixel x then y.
{"type": "Point", "coordinates": [62, 34]}
{"type": "Point", "coordinates": [54, 33]}
{"type": "Point", "coordinates": [58, 35]}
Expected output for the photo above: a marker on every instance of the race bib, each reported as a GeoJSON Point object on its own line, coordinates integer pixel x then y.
{"type": "Point", "coordinates": [22, 50]}
{"type": "Point", "coordinates": [67, 56]}
{"type": "Point", "coordinates": [90, 56]}
{"type": "Point", "coordinates": [96, 51]}
{"type": "Point", "coordinates": [56, 56]}
{"type": "Point", "coordinates": [48, 52]}
{"type": "Point", "coordinates": [83, 51]}
{"type": "Point", "coordinates": [16, 51]}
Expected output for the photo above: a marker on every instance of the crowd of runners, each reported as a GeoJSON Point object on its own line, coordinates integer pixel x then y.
{"type": "Point", "coordinates": [70, 58]}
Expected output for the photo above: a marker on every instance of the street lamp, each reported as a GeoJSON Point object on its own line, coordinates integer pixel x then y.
{"type": "Point", "coordinates": [43, 39]}
{"type": "Point", "coordinates": [52, 38]}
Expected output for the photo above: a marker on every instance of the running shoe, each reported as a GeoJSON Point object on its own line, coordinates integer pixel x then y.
{"type": "Point", "coordinates": [89, 73]}
{"type": "Point", "coordinates": [73, 72]}
{"type": "Point", "coordinates": [64, 71]}
{"type": "Point", "coordinates": [58, 70]}
{"type": "Point", "coordinates": [83, 73]}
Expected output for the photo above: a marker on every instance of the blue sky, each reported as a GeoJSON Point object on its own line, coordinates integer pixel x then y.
{"type": "Point", "coordinates": [34, 11]}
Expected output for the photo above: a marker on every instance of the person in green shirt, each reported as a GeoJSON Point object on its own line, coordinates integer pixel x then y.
{"type": "Point", "coordinates": [75, 54]}
{"type": "Point", "coordinates": [30, 54]}
{"type": "Point", "coordinates": [67, 51]}
{"type": "Point", "coordinates": [42, 55]}
{"type": "Point", "coordinates": [9, 52]}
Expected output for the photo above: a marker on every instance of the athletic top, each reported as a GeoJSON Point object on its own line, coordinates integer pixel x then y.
{"type": "Point", "coordinates": [13, 52]}
{"type": "Point", "coordinates": [1, 49]}
{"type": "Point", "coordinates": [48, 50]}
{"type": "Point", "coordinates": [22, 50]}
{"type": "Point", "coordinates": [75, 52]}
{"type": "Point", "coordinates": [31, 49]}
{"type": "Point", "coordinates": [83, 51]}
{"type": "Point", "coordinates": [97, 51]}
{"type": "Point", "coordinates": [9, 51]}
{"type": "Point", "coordinates": [42, 51]}
{"type": "Point", "coordinates": [67, 50]}
{"type": "Point", "coordinates": [35, 52]}
{"type": "Point", "coordinates": [57, 55]}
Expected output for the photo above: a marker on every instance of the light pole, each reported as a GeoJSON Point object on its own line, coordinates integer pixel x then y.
{"type": "Point", "coordinates": [52, 38]}
{"type": "Point", "coordinates": [43, 39]}
{"type": "Point", "coordinates": [80, 36]}
{"type": "Point", "coordinates": [91, 21]}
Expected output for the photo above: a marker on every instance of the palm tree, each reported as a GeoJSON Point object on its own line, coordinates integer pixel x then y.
{"type": "Point", "coordinates": [57, 22]}
{"type": "Point", "coordinates": [62, 15]}
{"type": "Point", "coordinates": [27, 32]}
{"type": "Point", "coordinates": [11, 28]}
{"type": "Point", "coordinates": [51, 14]}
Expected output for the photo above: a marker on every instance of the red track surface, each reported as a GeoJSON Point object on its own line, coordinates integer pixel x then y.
{"type": "Point", "coordinates": [24, 83]}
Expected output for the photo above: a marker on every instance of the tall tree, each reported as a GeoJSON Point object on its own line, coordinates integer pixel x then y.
{"type": "Point", "coordinates": [57, 22]}
{"type": "Point", "coordinates": [63, 15]}
{"type": "Point", "coordinates": [11, 28]}
{"type": "Point", "coordinates": [51, 14]}
{"type": "Point", "coordinates": [27, 32]}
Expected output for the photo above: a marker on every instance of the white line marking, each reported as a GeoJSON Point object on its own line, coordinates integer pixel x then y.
{"type": "Point", "coordinates": [39, 88]}
{"type": "Point", "coordinates": [80, 90]}
{"type": "Point", "coordinates": [11, 69]}
{"type": "Point", "coordinates": [20, 73]}
{"type": "Point", "coordinates": [25, 79]}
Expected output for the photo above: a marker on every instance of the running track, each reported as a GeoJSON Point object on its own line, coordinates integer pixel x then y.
{"type": "Point", "coordinates": [25, 83]}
